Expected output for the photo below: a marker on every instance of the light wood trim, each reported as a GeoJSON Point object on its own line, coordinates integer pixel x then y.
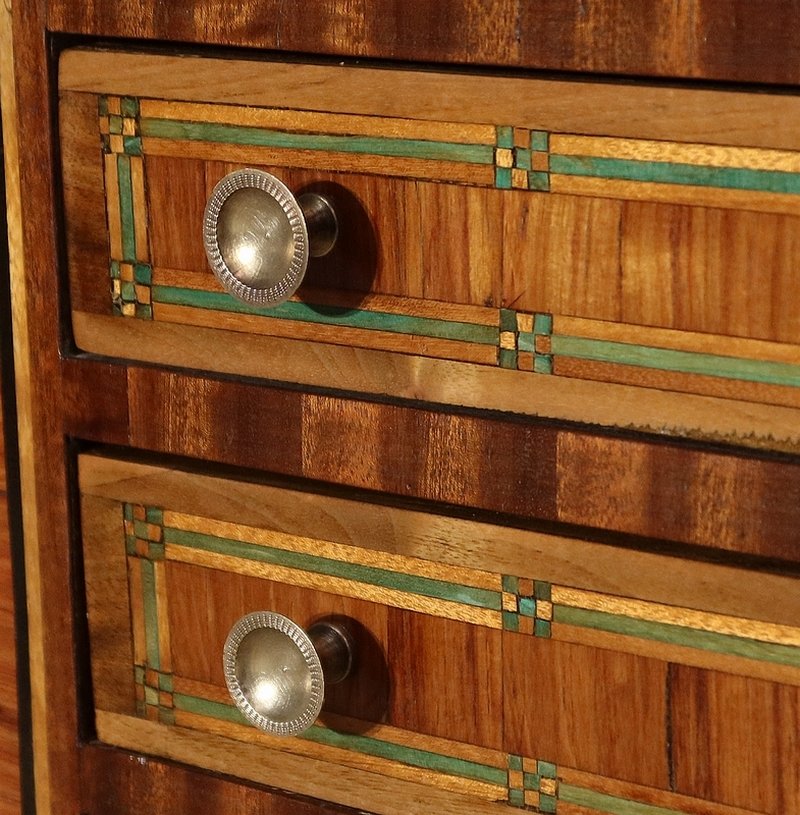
{"type": "Point", "coordinates": [677, 340]}
{"type": "Point", "coordinates": [653, 191]}
{"type": "Point", "coordinates": [678, 654]}
{"type": "Point", "coordinates": [251, 325]}
{"type": "Point", "coordinates": [335, 551]}
{"type": "Point", "coordinates": [629, 111]}
{"type": "Point", "coordinates": [697, 154]}
{"type": "Point", "coordinates": [662, 613]}
{"type": "Point", "coordinates": [44, 778]}
{"type": "Point", "coordinates": [338, 586]}
{"type": "Point", "coordinates": [647, 795]}
{"type": "Point", "coordinates": [656, 578]}
{"type": "Point", "coordinates": [444, 382]}
{"type": "Point", "coordinates": [341, 757]}
{"type": "Point", "coordinates": [460, 172]}
{"type": "Point", "coordinates": [319, 779]}
{"type": "Point", "coordinates": [322, 122]}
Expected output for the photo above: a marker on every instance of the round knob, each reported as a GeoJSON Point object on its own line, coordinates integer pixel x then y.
{"type": "Point", "coordinates": [258, 237]}
{"type": "Point", "coordinates": [276, 672]}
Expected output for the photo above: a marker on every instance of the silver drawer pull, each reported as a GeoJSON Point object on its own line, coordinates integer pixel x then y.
{"type": "Point", "coordinates": [258, 237]}
{"type": "Point", "coordinates": [276, 673]}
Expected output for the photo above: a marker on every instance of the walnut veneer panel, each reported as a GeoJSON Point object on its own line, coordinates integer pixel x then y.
{"type": "Point", "coordinates": [723, 40]}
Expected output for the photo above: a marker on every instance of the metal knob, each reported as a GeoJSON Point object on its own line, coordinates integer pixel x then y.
{"type": "Point", "coordinates": [258, 237]}
{"type": "Point", "coordinates": [276, 672]}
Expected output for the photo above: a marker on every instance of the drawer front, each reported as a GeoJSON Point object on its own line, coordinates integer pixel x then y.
{"type": "Point", "coordinates": [526, 245]}
{"type": "Point", "coordinates": [494, 668]}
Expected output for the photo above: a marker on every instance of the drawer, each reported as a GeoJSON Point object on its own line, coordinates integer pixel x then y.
{"type": "Point", "coordinates": [493, 667]}
{"type": "Point", "coordinates": [609, 253]}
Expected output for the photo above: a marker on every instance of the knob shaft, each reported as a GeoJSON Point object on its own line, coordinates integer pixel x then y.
{"type": "Point", "coordinates": [276, 672]}
{"type": "Point", "coordinates": [258, 237]}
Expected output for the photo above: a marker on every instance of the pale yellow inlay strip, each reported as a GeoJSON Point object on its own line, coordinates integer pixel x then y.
{"type": "Point", "coordinates": [340, 756]}
{"type": "Point", "coordinates": [349, 786]}
{"type": "Point", "coordinates": [136, 591]}
{"type": "Point", "coordinates": [162, 595]}
{"type": "Point", "coordinates": [112, 207]}
{"type": "Point", "coordinates": [345, 336]}
{"type": "Point", "coordinates": [706, 155]}
{"type": "Point", "coordinates": [717, 197]}
{"type": "Point", "coordinates": [672, 615]}
{"type": "Point", "coordinates": [337, 585]}
{"type": "Point", "coordinates": [315, 122]}
{"type": "Point", "coordinates": [139, 208]}
{"type": "Point", "coordinates": [739, 347]}
{"type": "Point", "coordinates": [481, 175]}
{"type": "Point", "coordinates": [334, 551]}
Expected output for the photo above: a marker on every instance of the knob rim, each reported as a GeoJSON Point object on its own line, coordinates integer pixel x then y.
{"type": "Point", "coordinates": [277, 622]}
{"type": "Point", "coordinates": [300, 250]}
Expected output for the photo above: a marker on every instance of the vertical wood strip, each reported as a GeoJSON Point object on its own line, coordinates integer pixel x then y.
{"type": "Point", "coordinates": [112, 206]}
{"type": "Point", "coordinates": [162, 613]}
{"type": "Point", "coordinates": [135, 590]}
{"type": "Point", "coordinates": [140, 208]}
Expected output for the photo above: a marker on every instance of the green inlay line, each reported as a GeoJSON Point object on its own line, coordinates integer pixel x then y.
{"type": "Point", "coordinates": [527, 606]}
{"type": "Point", "coordinates": [502, 178]}
{"type": "Point", "coordinates": [538, 180]}
{"type": "Point", "coordinates": [540, 141]}
{"type": "Point", "coordinates": [522, 158]}
{"type": "Point", "coordinates": [412, 584]}
{"type": "Point", "coordinates": [510, 583]}
{"type": "Point", "coordinates": [150, 614]}
{"type": "Point", "coordinates": [408, 755]}
{"type": "Point", "coordinates": [688, 362]}
{"type": "Point", "coordinates": [154, 515]}
{"type": "Point", "coordinates": [542, 323]}
{"type": "Point", "coordinates": [505, 136]}
{"type": "Point", "coordinates": [609, 803]}
{"type": "Point", "coordinates": [516, 797]}
{"type": "Point", "coordinates": [531, 781]}
{"type": "Point", "coordinates": [548, 804]}
{"type": "Point", "coordinates": [678, 635]}
{"type": "Point", "coordinates": [514, 762]}
{"type": "Point", "coordinates": [367, 145]}
{"type": "Point", "coordinates": [738, 178]}
{"type": "Point", "coordinates": [508, 359]}
{"type": "Point", "coordinates": [358, 743]}
{"type": "Point", "coordinates": [205, 707]}
{"type": "Point", "coordinates": [526, 342]}
{"type": "Point", "coordinates": [330, 315]}
{"type": "Point", "coordinates": [126, 207]}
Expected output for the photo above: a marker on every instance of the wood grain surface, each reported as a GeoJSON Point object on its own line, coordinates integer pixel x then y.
{"type": "Point", "coordinates": [492, 463]}
{"type": "Point", "coordinates": [708, 499]}
{"type": "Point", "coordinates": [598, 722]}
{"type": "Point", "coordinates": [730, 734]}
{"type": "Point", "coordinates": [116, 782]}
{"type": "Point", "coordinates": [724, 40]}
{"type": "Point", "coordinates": [9, 738]}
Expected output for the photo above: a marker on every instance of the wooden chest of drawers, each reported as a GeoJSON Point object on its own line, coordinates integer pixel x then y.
{"type": "Point", "coordinates": [529, 432]}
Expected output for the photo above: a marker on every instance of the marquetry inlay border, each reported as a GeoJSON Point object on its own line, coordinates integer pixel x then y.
{"type": "Point", "coordinates": [502, 156]}
{"type": "Point", "coordinates": [154, 536]}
